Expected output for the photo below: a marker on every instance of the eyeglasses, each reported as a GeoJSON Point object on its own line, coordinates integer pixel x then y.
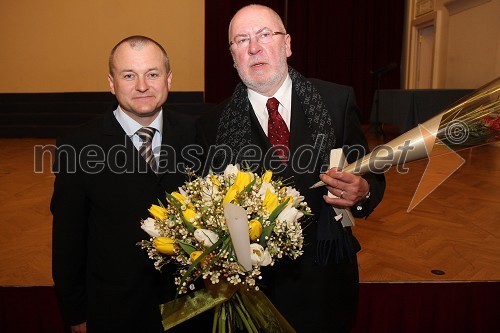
{"type": "Point", "coordinates": [263, 37]}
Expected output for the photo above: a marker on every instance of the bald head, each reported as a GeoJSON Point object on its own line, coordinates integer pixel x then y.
{"type": "Point", "coordinates": [256, 13]}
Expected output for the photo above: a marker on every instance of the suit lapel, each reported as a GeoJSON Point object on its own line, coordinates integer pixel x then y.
{"type": "Point", "coordinates": [174, 138]}
{"type": "Point", "coordinates": [122, 153]}
{"type": "Point", "coordinates": [259, 137]}
{"type": "Point", "coordinates": [118, 145]}
{"type": "Point", "coordinates": [300, 132]}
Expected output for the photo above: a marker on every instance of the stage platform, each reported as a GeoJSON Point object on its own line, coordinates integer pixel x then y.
{"type": "Point", "coordinates": [434, 269]}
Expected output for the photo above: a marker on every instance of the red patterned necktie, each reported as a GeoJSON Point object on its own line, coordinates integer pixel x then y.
{"type": "Point", "coordinates": [277, 131]}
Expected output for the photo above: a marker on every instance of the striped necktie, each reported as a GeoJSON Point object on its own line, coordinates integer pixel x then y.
{"type": "Point", "coordinates": [146, 150]}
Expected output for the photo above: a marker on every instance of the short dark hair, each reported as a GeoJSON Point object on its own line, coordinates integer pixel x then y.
{"type": "Point", "coordinates": [137, 41]}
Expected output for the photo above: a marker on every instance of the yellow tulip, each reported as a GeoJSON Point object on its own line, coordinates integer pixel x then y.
{"type": "Point", "coordinates": [158, 212]}
{"type": "Point", "coordinates": [254, 229]}
{"type": "Point", "coordinates": [214, 180]}
{"type": "Point", "coordinates": [231, 194]}
{"type": "Point", "coordinates": [242, 180]}
{"type": "Point", "coordinates": [182, 199]}
{"type": "Point", "coordinates": [189, 215]}
{"type": "Point", "coordinates": [266, 177]}
{"type": "Point", "coordinates": [270, 201]}
{"type": "Point", "coordinates": [165, 245]}
{"type": "Point", "coordinates": [290, 200]}
{"type": "Point", "coordinates": [194, 255]}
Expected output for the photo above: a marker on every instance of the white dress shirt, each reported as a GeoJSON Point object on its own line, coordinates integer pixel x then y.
{"type": "Point", "coordinates": [130, 126]}
{"type": "Point", "coordinates": [283, 95]}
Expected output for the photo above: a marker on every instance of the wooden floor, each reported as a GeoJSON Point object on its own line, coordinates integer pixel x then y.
{"type": "Point", "coordinates": [455, 231]}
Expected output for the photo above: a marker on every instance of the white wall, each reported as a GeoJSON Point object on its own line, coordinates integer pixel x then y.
{"type": "Point", "coordinates": [473, 46]}
{"type": "Point", "coordinates": [467, 42]}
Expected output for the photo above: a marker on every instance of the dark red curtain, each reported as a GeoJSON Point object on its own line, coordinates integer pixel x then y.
{"type": "Point", "coordinates": [30, 309]}
{"type": "Point", "coordinates": [431, 307]}
{"type": "Point", "coordinates": [334, 40]}
{"type": "Point", "coordinates": [220, 75]}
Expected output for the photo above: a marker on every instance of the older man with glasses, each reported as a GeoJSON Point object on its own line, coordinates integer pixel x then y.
{"type": "Point", "coordinates": [277, 119]}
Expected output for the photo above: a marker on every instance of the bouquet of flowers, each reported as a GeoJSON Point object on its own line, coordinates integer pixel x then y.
{"type": "Point", "coordinates": [471, 121]}
{"type": "Point", "coordinates": [485, 130]}
{"type": "Point", "coordinates": [222, 228]}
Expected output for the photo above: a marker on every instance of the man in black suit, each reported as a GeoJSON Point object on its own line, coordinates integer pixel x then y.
{"type": "Point", "coordinates": [318, 291]}
{"type": "Point", "coordinates": [103, 188]}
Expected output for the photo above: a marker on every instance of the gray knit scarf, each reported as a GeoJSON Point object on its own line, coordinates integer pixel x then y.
{"type": "Point", "coordinates": [235, 131]}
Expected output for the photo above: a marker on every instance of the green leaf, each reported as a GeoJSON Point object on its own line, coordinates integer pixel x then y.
{"type": "Point", "coordinates": [177, 204]}
{"type": "Point", "coordinates": [267, 230]}
{"type": "Point", "coordinates": [188, 248]}
{"type": "Point", "coordinates": [278, 210]}
{"type": "Point", "coordinates": [200, 258]}
{"type": "Point", "coordinates": [249, 186]}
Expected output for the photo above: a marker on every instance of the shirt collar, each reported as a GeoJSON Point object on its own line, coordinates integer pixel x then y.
{"type": "Point", "coordinates": [283, 95]}
{"type": "Point", "coordinates": [130, 126]}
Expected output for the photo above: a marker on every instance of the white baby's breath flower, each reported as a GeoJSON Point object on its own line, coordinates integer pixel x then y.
{"type": "Point", "coordinates": [215, 278]}
{"type": "Point", "coordinates": [235, 279]}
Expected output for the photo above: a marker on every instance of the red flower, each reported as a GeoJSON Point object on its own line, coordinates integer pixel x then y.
{"type": "Point", "coordinates": [492, 123]}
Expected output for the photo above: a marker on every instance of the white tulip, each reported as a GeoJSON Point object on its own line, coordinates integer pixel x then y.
{"type": "Point", "coordinates": [297, 198]}
{"type": "Point", "coordinates": [263, 189]}
{"type": "Point", "coordinates": [290, 215]}
{"type": "Point", "coordinates": [148, 225]}
{"type": "Point", "coordinates": [259, 256]}
{"type": "Point", "coordinates": [182, 192]}
{"type": "Point", "coordinates": [231, 171]}
{"type": "Point", "coordinates": [206, 237]}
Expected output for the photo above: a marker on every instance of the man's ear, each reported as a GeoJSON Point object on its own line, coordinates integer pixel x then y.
{"type": "Point", "coordinates": [169, 80]}
{"type": "Point", "coordinates": [288, 44]}
{"type": "Point", "coordinates": [111, 84]}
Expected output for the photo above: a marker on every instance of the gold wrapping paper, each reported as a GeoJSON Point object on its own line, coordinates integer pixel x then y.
{"type": "Point", "coordinates": [257, 311]}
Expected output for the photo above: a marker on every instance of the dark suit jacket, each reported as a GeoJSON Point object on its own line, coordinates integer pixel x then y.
{"type": "Point", "coordinates": [312, 298]}
{"type": "Point", "coordinates": [103, 189]}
